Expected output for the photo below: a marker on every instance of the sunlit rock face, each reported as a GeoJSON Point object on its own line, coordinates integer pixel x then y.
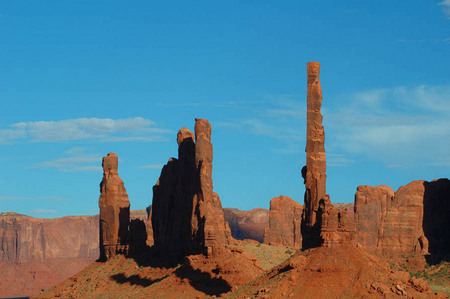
{"type": "Point", "coordinates": [114, 211]}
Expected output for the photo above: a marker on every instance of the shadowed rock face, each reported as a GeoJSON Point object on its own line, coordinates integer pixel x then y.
{"type": "Point", "coordinates": [114, 210]}
{"type": "Point", "coordinates": [187, 216]}
{"type": "Point", "coordinates": [413, 220]}
{"type": "Point", "coordinates": [284, 223]}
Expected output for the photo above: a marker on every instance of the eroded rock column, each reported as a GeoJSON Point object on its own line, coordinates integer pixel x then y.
{"type": "Point", "coordinates": [114, 210]}
{"type": "Point", "coordinates": [210, 207]}
{"type": "Point", "coordinates": [314, 173]}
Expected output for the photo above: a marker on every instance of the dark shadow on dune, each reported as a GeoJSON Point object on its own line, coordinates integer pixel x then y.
{"type": "Point", "coordinates": [436, 220]}
{"type": "Point", "coordinates": [135, 280]}
{"type": "Point", "coordinates": [203, 282]}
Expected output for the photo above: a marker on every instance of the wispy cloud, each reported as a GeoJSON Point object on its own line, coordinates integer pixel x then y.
{"type": "Point", "coordinates": [152, 166]}
{"type": "Point", "coordinates": [14, 198]}
{"type": "Point", "coordinates": [445, 7]}
{"type": "Point", "coordinates": [338, 160]}
{"type": "Point", "coordinates": [102, 129]}
{"type": "Point", "coordinates": [279, 117]}
{"type": "Point", "coordinates": [77, 160]}
{"type": "Point", "coordinates": [256, 126]}
{"type": "Point", "coordinates": [400, 126]}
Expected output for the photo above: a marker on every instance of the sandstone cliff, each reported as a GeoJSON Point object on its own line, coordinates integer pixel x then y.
{"type": "Point", "coordinates": [412, 220]}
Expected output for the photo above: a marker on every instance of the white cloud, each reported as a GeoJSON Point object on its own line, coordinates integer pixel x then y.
{"type": "Point", "coordinates": [399, 126]}
{"type": "Point", "coordinates": [102, 129]}
{"type": "Point", "coordinates": [77, 160]}
{"type": "Point", "coordinates": [445, 7]}
{"type": "Point", "coordinates": [262, 127]}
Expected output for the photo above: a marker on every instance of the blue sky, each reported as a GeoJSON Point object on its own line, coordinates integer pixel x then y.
{"type": "Point", "coordinates": [79, 79]}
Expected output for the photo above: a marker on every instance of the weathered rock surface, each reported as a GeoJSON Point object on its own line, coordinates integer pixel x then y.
{"type": "Point", "coordinates": [348, 207]}
{"type": "Point", "coordinates": [187, 217]}
{"type": "Point", "coordinates": [412, 220]}
{"type": "Point", "coordinates": [371, 205]}
{"type": "Point", "coordinates": [114, 210]}
{"type": "Point", "coordinates": [336, 227]}
{"type": "Point", "coordinates": [340, 272]}
{"type": "Point", "coordinates": [247, 224]}
{"type": "Point", "coordinates": [285, 217]}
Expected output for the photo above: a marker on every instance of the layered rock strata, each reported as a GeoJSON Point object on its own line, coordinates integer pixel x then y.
{"type": "Point", "coordinates": [114, 211]}
{"type": "Point", "coordinates": [187, 216]}
{"type": "Point", "coordinates": [284, 223]}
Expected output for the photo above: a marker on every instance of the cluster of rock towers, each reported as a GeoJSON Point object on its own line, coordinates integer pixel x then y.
{"type": "Point", "coordinates": [187, 216]}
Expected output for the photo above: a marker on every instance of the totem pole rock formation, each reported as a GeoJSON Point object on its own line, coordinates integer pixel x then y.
{"type": "Point", "coordinates": [114, 211]}
{"type": "Point", "coordinates": [285, 217]}
{"type": "Point", "coordinates": [314, 173]}
{"type": "Point", "coordinates": [187, 216]}
{"type": "Point", "coordinates": [322, 224]}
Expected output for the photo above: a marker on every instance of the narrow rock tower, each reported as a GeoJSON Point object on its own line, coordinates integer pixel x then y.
{"type": "Point", "coordinates": [114, 210]}
{"type": "Point", "coordinates": [314, 173]}
{"type": "Point", "coordinates": [209, 204]}
{"type": "Point", "coordinates": [322, 223]}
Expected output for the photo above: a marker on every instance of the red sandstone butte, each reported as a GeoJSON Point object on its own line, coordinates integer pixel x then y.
{"type": "Point", "coordinates": [413, 220]}
{"type": "Point", "coordinates": [187, 216]}
{"type": "Point", "coordinates": [114, 210]}
{"type": "Point", "coordinates": [284, 223]}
